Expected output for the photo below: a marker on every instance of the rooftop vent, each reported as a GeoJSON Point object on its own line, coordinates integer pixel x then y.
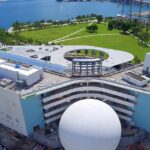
{"type": "Point", "coordinates": [30, 51]}
{"type": "Point", "coordinates": [5, 82]}
{"type": "Point", "coordinates": [135, 79]}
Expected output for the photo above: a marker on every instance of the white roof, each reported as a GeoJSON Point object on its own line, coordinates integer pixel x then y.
{"type": "Point", "coordinates": [116, 57]}
{"type": "Point", "coordinates": [1, 61]}
{"type": "Point", "coordinates": [90, 125]}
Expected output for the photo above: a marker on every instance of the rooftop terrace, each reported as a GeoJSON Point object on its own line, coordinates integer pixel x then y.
{"type": "Point", "coordinates": [117, 77]}
{"type": "Point", "coordinates": [137, 77]}
{"type": "Point", "coordinates": [51, 79]}
{"type": "Point", "coordinates": [48, 80]}
{"type": "Point", "coordinates": [57, 54]}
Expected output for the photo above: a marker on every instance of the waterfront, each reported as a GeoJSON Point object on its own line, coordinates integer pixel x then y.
{"type": "Point", "coordinates": [31, 10]}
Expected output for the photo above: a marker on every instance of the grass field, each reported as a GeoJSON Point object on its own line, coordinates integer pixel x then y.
{"type": "Point", "coordinates": [115, 41]}
{"type": "Point", "coordinates": [52, 33]}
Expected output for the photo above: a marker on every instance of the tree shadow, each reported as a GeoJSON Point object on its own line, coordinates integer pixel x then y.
{"type": "Point", "coordinates": [124, 33]}
{"type": "Point", "coordinates": [142, 44]}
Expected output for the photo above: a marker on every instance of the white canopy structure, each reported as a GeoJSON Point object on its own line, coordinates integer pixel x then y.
{"type": "Point", "coordinates": [116, 57]}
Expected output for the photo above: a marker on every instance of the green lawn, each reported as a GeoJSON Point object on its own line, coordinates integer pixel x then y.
{"type": "Point", "coordinates": [118, 42]}
{"type": "Point", "coordinates": [102, 29]}
{"type": "Point", "coordinates": [52, 33]}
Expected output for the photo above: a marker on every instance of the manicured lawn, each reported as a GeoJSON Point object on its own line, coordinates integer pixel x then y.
{"type": "Point", "coordinates": [102, 29]}
{"type": "Point", "coordinates": [118, 42]}
{"type": "Point", "coordinates": [52, 33]}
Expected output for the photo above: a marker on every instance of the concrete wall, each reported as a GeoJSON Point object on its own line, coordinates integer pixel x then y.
{"type": "Point", "coordinates": [18, 74]}
{"type": "Point", "coordinates": [18, 114]}
{"type": "Point", "coordinates": [11, 112]}
{"type": "Point", "coordinates": [33, 114]}
{"type": "Point", "coordinates": [13, 75]}
{"type": "Point", "coordinates": [147, 63]}
{"type": "Point", "coordinates": [141, 116]}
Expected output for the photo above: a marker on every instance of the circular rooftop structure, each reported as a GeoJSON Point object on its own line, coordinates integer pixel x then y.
{"type": "Point", "coordinates": [90, 125]}
{"type": "Point", "coordinates": [115, 57]}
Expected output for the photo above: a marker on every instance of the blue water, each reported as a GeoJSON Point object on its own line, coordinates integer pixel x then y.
{"type": "Point", "coordinates": [31, 10]}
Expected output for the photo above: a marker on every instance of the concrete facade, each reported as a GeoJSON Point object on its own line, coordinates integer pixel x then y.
{"type": "Point", "coordinates": [141, 116]}
{"type": "Point", "coordinates": [11, 114]}
{"type": "Point", "coordinates": [43, 107]}
{"type": "Point", "coordinates": [33, 114]}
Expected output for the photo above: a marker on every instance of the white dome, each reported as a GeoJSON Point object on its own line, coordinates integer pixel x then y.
{"type": "Point", "coordinates": [89, 125]}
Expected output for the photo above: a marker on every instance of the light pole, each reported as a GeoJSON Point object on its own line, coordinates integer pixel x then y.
{"type": "Point", "coordinates": [140, 10]}
{"type": "Point", "coordinates": [123, 4]}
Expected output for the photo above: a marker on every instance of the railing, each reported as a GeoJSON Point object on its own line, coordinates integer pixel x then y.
{"type": "Point", "coordinates": [68, 99]}
{"type": "Point", "coordinates": [32, 61]}
{"type": "Point", "coordinates": [89, 88]}
{"type": "Point", "coordinates": [81, 80]}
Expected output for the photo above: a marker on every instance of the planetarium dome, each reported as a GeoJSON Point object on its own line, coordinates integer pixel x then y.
{"type": "Point", "coordinates": [89, 125]}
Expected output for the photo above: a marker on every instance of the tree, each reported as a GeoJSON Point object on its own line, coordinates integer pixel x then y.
{"type": "Point", "coordinates": [136, 30]}
{"type": "Point", "coordinates": [16, 26]}
{"type": "Point", "coordinates": [92, 28]}
{"type": "Point", "coordinates": [137, 60]}
{"type": "Point", "coordinates": [30, 40]}
{"type": "Point", "coordinates": [78, 51]}
{"type": "Point", "coordinates": [37, 25]}
{"type": "Point", "coordinates": [99, 18]}
{"type": "Point", "coordinates": [125, 26]}
{"type": "Point", "coordinates": [93, 53]}
{"type": "Point", "coordinates": [49, 21]}
{"type": "Point", "coordinates": [5, 37]}
{"type": "Point", "coordinates": [110, 25]}
{"type": "Point", "coordinates": [42, 21]}
{"type": "Point", "coordinates": [38, 42]}
{"type": "Point", "coordinates": [144, 37]}
{"type": "Point", "coordinates": [86, 52]}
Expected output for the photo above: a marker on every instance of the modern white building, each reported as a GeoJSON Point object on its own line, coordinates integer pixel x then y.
{"type": "Point", "coordinates": [48, 93]}
{"type": "Point", "coordinates": [116, 57]}
{"type": "Point", "coordinates": [28, 75]}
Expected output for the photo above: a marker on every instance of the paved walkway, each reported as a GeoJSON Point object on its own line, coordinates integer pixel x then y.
{"type": "Point", "coordinates": [62, 38]}
{"type": "Point", "coordinates": [86, 36]}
